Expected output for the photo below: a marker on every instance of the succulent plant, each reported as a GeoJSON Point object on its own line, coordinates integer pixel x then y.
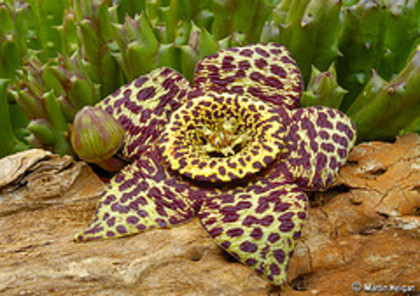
{"type": "Point", "coordinates": [323, 89]}
{"type": "Point", "coordinates": [81, 51]}
{"type": "Point", "coordinates": [396, 101]}
{"type": "Point", "coordinates": [235, 150]}
{"type": "Point", "coordinates": [10, 143]}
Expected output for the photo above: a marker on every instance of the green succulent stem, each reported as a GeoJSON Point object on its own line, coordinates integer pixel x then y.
{"type": "Point", "coordinates": [393, 107]}
{"type": "Point", "coordinates": [323, 89]}
{"type": "Point", "coordinates": [9, 142]}
{"type": "Point", "coordinates": [59, 124]}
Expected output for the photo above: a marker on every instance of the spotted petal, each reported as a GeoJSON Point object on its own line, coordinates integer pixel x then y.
{"type": "Point", "coordinates": [144, 195]}
{"type": "Point", "coordinates": [318, 145]}
{"type": "Point", "coordinates": [258, 223]}
{"type": "Point", "coordinates": [144, 106]}
{"type": "Point", "coordinates": [264, 71]}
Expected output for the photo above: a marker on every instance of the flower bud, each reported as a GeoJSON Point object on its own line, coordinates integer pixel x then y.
{"type": "Point", "coordinates": [96, 136]}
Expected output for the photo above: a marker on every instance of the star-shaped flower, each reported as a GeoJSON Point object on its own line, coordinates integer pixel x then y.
{"type": "Point", "coordinates": [235, 150]}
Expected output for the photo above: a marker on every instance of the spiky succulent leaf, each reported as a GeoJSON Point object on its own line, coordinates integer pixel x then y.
{"type": "Point", "coordinates": [323, 89]}
{"type": "Point", "coordinates": [310, 30]}
{"type": "Point", "coordinates": [9, 142]}
{"type": "Point", "coordinates": [412, 127]}
{"type": "Point", "coordinates": [395, 106]}
{"type": "Point", "coordinates": [377, 35]}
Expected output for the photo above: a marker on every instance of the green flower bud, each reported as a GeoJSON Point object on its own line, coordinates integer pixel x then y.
{"type": "Point", "coordinates": [96, 137]}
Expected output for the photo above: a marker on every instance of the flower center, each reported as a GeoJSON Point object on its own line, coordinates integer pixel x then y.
{"type": "Point", "coordinates": [225, 139]}
{"type": "Point", "coordinates": [221, 137]}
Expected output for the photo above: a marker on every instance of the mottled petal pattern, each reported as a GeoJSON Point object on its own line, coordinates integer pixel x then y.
{"type": "Point", "coordinates": [144, 106]}
{"type": "Point", "coordinates": [318, 144]}
{"type": "Point", "coordinates": [264, 71]}
{"type": "Point", "coordinates": [239, 123]}
{"type": "Point", "coordinates": [182, 147]}
{"type": "Point", "coordinates": [258, 223]}
{"type": "Point", "coordinates": [144, 195]}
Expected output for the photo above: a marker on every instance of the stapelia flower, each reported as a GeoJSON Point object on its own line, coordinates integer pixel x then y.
{"type": "Point", "coordinates": [235, 150]}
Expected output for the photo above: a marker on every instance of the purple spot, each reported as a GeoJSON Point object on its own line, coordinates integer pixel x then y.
{"type": "Point", "coordinates": [109, 110]}
{"type": "Point", "coordinates": [121, 229]}
{"type": "Point", "coordinates": [281, 207]}
{"type": "Point", "coordinates": [215, 232]}
{"type": "Point", "coordinates": [256, 233]}
{"type": "Point", "coordinates": [286, 226]}
{"type": "Point", "coordinates": [260, 63]}
{"type": "Point", "coordinates": [276, 51]}
{"type": "Point", "coordinates": [331, 113]}
{"type": "Point", "coordinates": [327, 147]}
{"type": "Point", "coordinates": [132, 220]}
{"type": "Point", "coordinates": [140, 81]}
{"type": "Point", "coordinates": [110, 199]}
{"type": "Point", "coordinates": [227, 66]}
{"type": "Point", "coordinates": [237, 89]}
{"type": "Point", "coordinates": [275, 269]}
{"type": "Point", "coordinates": [246, 52]}
{"type": "Point", "coordinates": [296, 235]}
{"type": "Point", "coordinates": [333, 163]}
{"type": "Point", "coordinates": [250, 261]}
{"type": "Point", "coordinates": [146, 93]}
{"type": "Point", "coordinates": [340, 140]}
{"type": "Point", "coordinates": [230, 214]}
{"type": "Point", "coordinates": [262, 52]}
{"type": "Point", "coordinates": [117, 207]}
{"type": "Point", "coordinates": [235, 232]}
{"type": "Point", "coordinates": [256, 76]}
{"type": "Point", "coordinates": [161, 222]}
{"type": "Point", "coordinates": [248, 247]}
{"type": "Point", "coordinates": [314, 146]}
{"type": "Point", "coordinates": [145, 115]}
{"type": "Point", "coordinates": [110, 234]}
{"type": "Point", "coordinates": [279, 71]}
{"type": "Point", "coordinates": [268, 159]}
{"type": "Point", "coordinates": [302, 215]}
{"type": "Point", "coordinates": [173, 220]}
{"type": "Point", "coordinates": [244, 65]}
{"type": "Point", "coordinates": [342, 153]}
{"type": "Point", "coordinates": [273, 237]}
{"type": "Point", "coordinates": [321, 161]}
{"type": "Point", "coordinates": [111, 222]}
{"type": "Point", "coordinates": [286, 216]}
{"type": "Point", "coordinates": [166, 72]}
{"type": "Point", "coordinates": [225, 244]}
{"type": "Point", "coordinates": [119, 178]}
{"type": "Point", "coordinates": [279, 255]}
{"type": "Point", "coordinates": [243, 205]}
{"type": "Point", "coordinates": [249, 221]}
{"type": "Point", "coordinates": [345, 128]}
{"type": "Point", "coordinates": [141, 227]}
{"type": "Point", "coordinates": [257, 165]}
{"type": "Point", "coordinates": [267, 220]}
{"type": "Point", "coordinates": [287, 60]}
{"type": "Point", "coordinates": [324, 135]}
{"type": "Point", "coordinates": [322, 121]}
{"type": "Point", "coordinates": [116, 93]}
